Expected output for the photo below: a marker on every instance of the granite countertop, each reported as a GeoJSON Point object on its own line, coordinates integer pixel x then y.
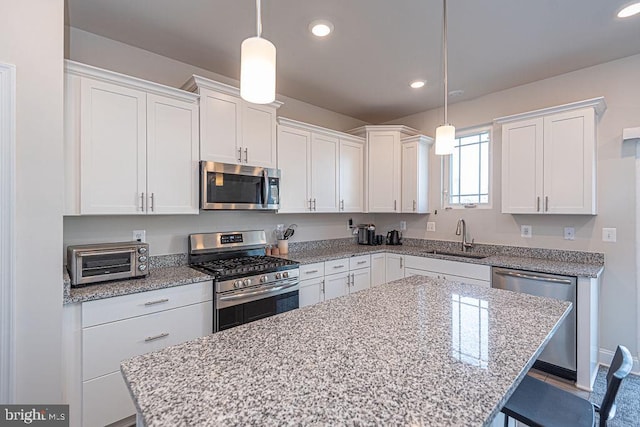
{"type": "Point", "coordinates": [558, 265]}
{"type": "Point", "coordinates": [416, 351]}
{"type": "Point", "coordinates": [158, 278]}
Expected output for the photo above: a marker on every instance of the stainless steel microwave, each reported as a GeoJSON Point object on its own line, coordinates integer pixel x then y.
{"type": "Point", "coordinates": [236, 187]}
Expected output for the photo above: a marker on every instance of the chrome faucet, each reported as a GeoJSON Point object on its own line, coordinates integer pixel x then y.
{"type": "Point", "coordinates": [461, 229]}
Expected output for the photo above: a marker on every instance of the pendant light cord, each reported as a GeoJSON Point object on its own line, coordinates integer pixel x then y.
{"type": "Point", "coordinates": [258, 19]}
{"type": "Point", "coordinates": [444, 48]}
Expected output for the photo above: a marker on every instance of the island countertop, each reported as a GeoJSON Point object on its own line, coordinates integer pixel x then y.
{"type": "Point", "coordinates": [415, 351]}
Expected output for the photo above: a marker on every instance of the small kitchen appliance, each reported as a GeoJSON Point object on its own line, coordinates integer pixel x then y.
{"type": "Point", "coordinates": [235, 187]}
{"type": "Point", "coordinates": [248, 285]}
{"type": "Point", "coordinates": [366, 234]}
{"type": "Point", "coordinates": [394, 238]}
{"type": "Point", "coordinates": [102, 262]}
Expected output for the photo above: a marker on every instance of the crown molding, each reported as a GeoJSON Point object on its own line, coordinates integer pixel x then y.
{"type": "Point", "coordinates": [598, 104]}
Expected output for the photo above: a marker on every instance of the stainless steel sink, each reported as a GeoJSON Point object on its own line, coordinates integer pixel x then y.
{"type": "Point", "coordinates": [457, 254]}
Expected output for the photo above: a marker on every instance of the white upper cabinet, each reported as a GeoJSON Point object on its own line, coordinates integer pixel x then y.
{"type": "Point", "coordinates": [321, 169]}
{"type": "Point", "coordinates": [233, 130]}
{"type": "Point", "coordinates": [549, 160]}
{"type": "Point", "coordinates": [131, 146]}
{"type": "Point", "coordinates": [415, 174]}
{"type": "Point", "coordinates": [389, 187]}
{"type": "Point", "coordinates": [351, 174]}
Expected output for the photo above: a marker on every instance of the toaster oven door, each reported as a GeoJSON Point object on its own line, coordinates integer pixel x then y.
{"type": "Point", "coordinates": [99, 266]}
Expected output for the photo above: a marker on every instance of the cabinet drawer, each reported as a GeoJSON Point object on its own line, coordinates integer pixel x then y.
{"type": "Point", "coordinates": [336, 266]}
{"type": "Point", "coordinates": [362, 261]}
{"type": "Point", "coordinates": [105, 346]}
{"type": "Point", "coordinates": [311, 271]}
{"type": "Point", "coordinates": [127, 306]}
{"type": "Point", "coordinates": [106, 400]}
{"type": "Point", "coordinates": [463, 269]}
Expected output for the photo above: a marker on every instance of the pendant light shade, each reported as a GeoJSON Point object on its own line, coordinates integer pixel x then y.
{"type": "Point", "coordinates": [258, 67]}
{"type": "Point", "coordinates": [446, 133]}
{"type": "Point", "coordinates": [445, 139]}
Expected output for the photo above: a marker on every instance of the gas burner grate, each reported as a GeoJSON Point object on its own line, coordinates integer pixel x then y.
{"type": "Point", "coordinates": [243, 265]}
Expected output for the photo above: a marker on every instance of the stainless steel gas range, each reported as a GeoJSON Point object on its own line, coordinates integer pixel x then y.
{"type": "Point", "coordinates": [248, 284]}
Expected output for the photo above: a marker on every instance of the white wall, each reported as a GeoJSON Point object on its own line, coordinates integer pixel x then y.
{"type": "Point", "coordinates": [617, 81]}
{"type": "Point", "coordinates": [32, 39]}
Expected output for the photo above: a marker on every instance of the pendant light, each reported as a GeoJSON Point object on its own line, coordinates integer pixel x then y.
{"type": "Point", "coordinates": [446, 133]}
{"type": "Point", "coordinates": [258, 67]}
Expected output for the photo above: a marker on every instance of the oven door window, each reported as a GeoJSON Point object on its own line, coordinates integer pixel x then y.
{"type": "Point", "coordinates": [256, 310]}
{"type": "Point", "coordinates": [96, 265]}
{"type": "Point", "coordinates": [233, 189]}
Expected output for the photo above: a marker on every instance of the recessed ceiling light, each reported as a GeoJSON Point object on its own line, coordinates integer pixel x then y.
{"type": "Point", "coordinates": [632, 9]}
{"type": "Point", "coordinates": [417, 84]}
{"type": "Point", "coordinates": [321, 28]}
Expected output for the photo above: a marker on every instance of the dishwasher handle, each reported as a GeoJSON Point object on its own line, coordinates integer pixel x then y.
{"type": "Point", "coordinates": [532, 277]}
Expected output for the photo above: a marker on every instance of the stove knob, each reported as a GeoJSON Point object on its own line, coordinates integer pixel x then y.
{"type": "Point", "coordinates": [278, 275]}
{"type": "Point", "coordinates": [285, 274]}
{"type": "Point", "coordinates": [247, 282]}
{"type": "Point", "coordinates": [237, 284]}
{"type": "Point", "coordinates": [142, 267]}
{"type": "Point", "coordinates": [264, 279]}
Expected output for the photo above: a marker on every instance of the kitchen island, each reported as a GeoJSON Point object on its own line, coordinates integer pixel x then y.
{"type": "Point", "coordinates": [415, 351]}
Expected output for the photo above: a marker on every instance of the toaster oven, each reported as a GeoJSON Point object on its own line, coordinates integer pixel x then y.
{"type": "Point", "coordinates": [107, 261]}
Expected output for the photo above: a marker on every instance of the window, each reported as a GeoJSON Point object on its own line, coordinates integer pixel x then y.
{"type": "Point", "coordinates": [467, 173]}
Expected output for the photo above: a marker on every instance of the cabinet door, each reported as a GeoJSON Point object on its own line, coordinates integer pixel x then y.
{"type": "Point", "coordinates": [106, 400]}
{"type": "Point", "coordinates": [414, 272]}
{"type": "Point", "coordinates": [522, 165]}
{"type": "Point", "coordinates": [311, 291]}
{"type": "Point", "coordinates": [384, 171]}
{"type": "Point", "coordinates": [294, 155]}
{"type": "Point", "coordinates": [220, 127]}
{"type": "Point", "coordinates": [569, 162]}
{"type": "Point", "coordinates": [360, 279]}
{"type": "Point", "coordinates": [378, 269]}
{"type": "Point", "coordinates": [258, 135]}
{"type": "Point", "coordinates": [336, 285]}
{"type": "Point", "coordinates": [324, 173]}
{"type": "Point", "coordinates": [415, 173]}
{"type": "Point", "coordinates": [172, 156]}
{"type": "Point", "coordinates": [394, 267]}
{"type": "Point", "coordinates": [351, 176]}
{"type": "Point", "coordinates": [113, 137]}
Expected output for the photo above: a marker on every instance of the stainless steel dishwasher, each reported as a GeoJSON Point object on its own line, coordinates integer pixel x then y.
{"type": "Point", "coordinates": [559, 356]}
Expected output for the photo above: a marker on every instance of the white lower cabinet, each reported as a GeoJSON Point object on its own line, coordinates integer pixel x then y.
{"type": "Point", "coordinates": [474, 274]}
{"type": "Point", "coordinates": [378, 269]}
{"type": "Point", "coordinates": [311, 284]}
{"type": "Point", "coordinates": [332, 279]}
{"type": "Point", "coordinates": [360, 280]}
{"type": "Point", "coordinates": [336, 285]}
{"type": "Point", "coordinates": [394, 264]}
{"type": "Point", "coordinates": [104, 332]}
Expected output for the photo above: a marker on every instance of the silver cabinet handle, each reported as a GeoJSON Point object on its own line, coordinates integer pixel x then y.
{"type": "Point", "coordinates": [310, 271]}
{"type": "Point", "coordinates": [153, 196]}
{"type": "Point", "coordinates": [339, 266]}
{"type": "Point", "coordinates": [546, 203]}
{"type": "Point", "coordinates": [353, 279]}
{"type": "Point", "coordinates": [239, 154]}
{"type": "Point", "coordinates": [310, 204]}
{"type": "Point", "coordinates": [533, 277]}
{"type": "Point", "coordinates": [395, 205]}
{"type": "Point", "coordinates": [342, 204]}
{"type": "Point", "coordinates": [246, 155]}
{"type": "Point", "coordinates": [361, 262]}
{"type": "Point", "coordinates": [314, 205]}
{"type": "Point", "coordinates": [142, 202]}
{"type": "Point", "coordinates": [156, 337]}
{"type": "Point", "coordinates": [401, 264]}
{"type": "Point", "coordinates": [160, 301]}
{"type": "Point", "coordinates": [538, 204]}
{"type": "Point", "coordinates": [414, 205]}
{"type": "Point", "coordinates": [323, 286]}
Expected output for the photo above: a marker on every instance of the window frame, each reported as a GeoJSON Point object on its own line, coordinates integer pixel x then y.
{"type": "Point", "coordinates": [446, 170]}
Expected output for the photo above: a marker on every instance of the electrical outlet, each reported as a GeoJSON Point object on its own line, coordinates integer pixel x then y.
{"type": "Point", "coordinates": [140, 235]}
{"type": "Point", "coordinates": [525, 231]}
{"type": "Point", "coordinates": [431, 226]}
{"type": "Point", "coordinates": [609, 235]}
{"type": "Point", "coordinates": [569, 233]}
{"type": "Point", "coordinates": [403, 225]}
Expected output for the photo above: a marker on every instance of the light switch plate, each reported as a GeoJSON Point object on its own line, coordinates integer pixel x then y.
{"type": "Point", "coordinates": [403, 225]}
{"type": "Point", "coordinates": [525, 231]}
{"type": "Point", "coordinates": [431, 226]}
{"type": "Point", "coordinates": [609, 235]}
{"type": "Point", "coordinates": [569, 233]}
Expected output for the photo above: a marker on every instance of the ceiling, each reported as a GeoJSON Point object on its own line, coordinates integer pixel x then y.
{"type": "Point", "coordinates": [364, 67]}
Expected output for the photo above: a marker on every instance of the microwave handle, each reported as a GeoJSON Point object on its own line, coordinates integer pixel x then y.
{"type": "Point", "coordinates": [265, 187]}
{"type": "Point", "coordinates": [117, 251]}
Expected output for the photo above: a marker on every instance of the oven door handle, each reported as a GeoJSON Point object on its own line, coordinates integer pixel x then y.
{"type": "Point", "coordinates": [259, 292]}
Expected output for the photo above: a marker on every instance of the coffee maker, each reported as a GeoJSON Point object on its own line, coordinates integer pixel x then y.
{"type": "Point", "coordinates": [366, 234]}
